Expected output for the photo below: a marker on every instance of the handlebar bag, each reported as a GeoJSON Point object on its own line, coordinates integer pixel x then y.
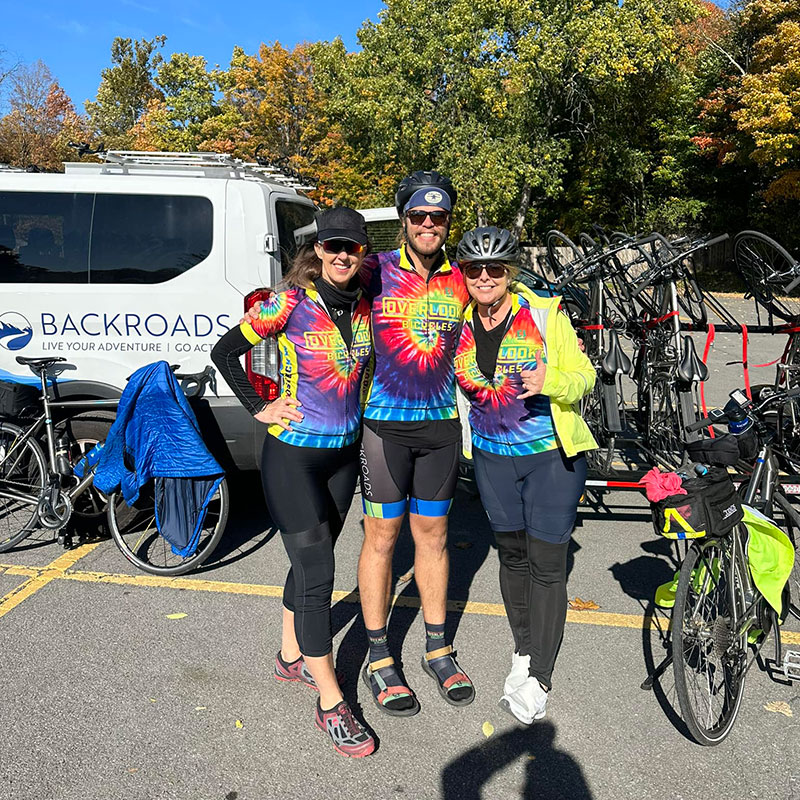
{"type": "Point", "coordinates": [710, 507]}
{"type": "Point", "coordinates": [15, 398]}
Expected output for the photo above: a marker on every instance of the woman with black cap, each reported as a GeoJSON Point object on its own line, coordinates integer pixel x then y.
{"type": "Point", "coordinates": [309, 463]}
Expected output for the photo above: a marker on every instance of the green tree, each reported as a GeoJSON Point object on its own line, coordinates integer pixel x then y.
{"type": "Point", "coordinates": [175, 120]}
{"type": "Point", "coordinates": [125, 90]}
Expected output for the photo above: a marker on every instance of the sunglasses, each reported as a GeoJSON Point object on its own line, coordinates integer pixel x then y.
{"type": "Point", "coordinates": [473, 271]}
{"type": "Point", "coordinates": [337, 245]}
{"type": "Point", "coordinates": [437, 217]}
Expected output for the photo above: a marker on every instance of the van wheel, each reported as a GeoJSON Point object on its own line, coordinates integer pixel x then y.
{"type": "Point", "coordinates": [84, 431]}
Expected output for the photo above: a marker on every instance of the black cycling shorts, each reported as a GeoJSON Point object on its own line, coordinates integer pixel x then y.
{"type": "Point", "coordinates": [538, 493]}
{"type": "Point", "coordinates": [396, 476]}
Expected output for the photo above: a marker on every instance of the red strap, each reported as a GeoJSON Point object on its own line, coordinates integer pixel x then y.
{"type": "Point", "coordinates": [745, 365]}
{"type": "Point", "coordinates": [653, 322]}
{"type": "Point", "coordinates": [768, 364]}
{"type": "Point", "coordinates": [712, 332]}
{"type": "Point", "coordinates": [592, 327]}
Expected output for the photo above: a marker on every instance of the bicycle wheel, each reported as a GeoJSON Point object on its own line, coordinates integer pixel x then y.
{"type": "Point", "coordinates": [563, 255]}
{"type": "Point", "coordinates": [767, 270]}
{"type": "Point", "coordinates": [690, 297]}
{"type": "Point", "coordinates": [25, 473]}
{"type": "Point", "coordinates": [135, 533]}
{"type": "Point", "coordinates": [709, 658]}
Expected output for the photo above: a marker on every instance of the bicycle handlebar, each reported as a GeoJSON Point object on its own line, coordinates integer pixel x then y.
{"type": "Point", "coordinates": [719, 415]}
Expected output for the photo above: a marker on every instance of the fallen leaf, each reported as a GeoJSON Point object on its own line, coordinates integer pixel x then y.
{"type": "Point", "coordinates": [531, 758]}
{"type": "Point", "coordinates": [779, 707]}
{"type": "Point", "coordinates": [407, 576]}
{"type": "Point", "coordinates": [133, 769]}
{"type": "Point", "coordinates": [177, 616]}
{"type": "Point", "coordinates": [153, 700]}
{"type": "Point", "coordinates": [200, 708]}
{"type": "Point", "coordinates": [488, 729]}
{"type": "Point", "coordinates": [583, 605]}
{"type": "Point", "coordinates": [239, 723]}
{"type": "Point", "coordinates": [463, 545]}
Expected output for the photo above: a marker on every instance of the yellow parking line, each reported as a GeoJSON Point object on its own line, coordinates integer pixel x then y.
{"type": "Point", "coordinates": [57, 571]}
{"type": "Point", "coordinates": [42, 577]}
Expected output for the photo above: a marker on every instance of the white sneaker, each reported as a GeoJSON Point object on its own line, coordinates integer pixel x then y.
{"type": "Point", "coordinates": [527, 702]}
{"type": "Point", "coordinates": [518, 674]}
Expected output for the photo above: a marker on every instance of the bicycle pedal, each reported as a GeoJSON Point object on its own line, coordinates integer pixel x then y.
{"type": "Point", "coordinates": [791, 665]}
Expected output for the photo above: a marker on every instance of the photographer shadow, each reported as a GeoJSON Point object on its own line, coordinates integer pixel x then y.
{"type": "Point", "coordinates": [551, 774]}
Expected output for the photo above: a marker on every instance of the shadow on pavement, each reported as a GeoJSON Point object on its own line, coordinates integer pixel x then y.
{"type": "Point", "coordinates": [550, 774]}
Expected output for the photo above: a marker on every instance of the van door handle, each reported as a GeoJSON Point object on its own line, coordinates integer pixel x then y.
{"type": "Point", "coordinates": [269, 243]}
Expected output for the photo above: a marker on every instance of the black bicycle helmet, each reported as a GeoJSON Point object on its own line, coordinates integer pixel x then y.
{"type": "Point", "coordinates": [488, 244]}
{"type": "Point", "coordinates": [422, 179]}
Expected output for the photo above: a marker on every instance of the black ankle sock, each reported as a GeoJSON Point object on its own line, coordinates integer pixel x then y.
{"type": "Point", "coordinates": [378, 650]}
{"type": "Point", "coordinates": [378, 644]}
{"type": "Point", "coordinates": [434, 637]}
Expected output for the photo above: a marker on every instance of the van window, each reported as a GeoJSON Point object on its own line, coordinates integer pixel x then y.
{"type": "Point", "coordinates": [44, 237]}
{"type": "Point", "coordinates": [291, 216]}
{"type": "Point", "coordinates": [148, 238]}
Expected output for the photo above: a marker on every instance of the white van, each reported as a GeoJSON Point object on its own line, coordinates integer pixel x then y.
{"type": "Point", "coordinates": [143, 257]}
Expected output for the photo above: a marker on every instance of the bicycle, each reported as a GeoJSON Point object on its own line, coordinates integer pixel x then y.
{"type": "Point", "coordinates": [41, 491]}
{"type": "Point", "coordinates": [719, 613]}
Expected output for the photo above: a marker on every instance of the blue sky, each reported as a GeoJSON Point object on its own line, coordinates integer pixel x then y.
{"type": "Point", "coordinates": [74, 38]}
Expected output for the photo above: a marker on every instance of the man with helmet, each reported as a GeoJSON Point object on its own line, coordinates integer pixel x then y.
{"type": "Point", "coordinates": [520, 364]}
{"type": "Point", "coordinates": [412, 435]}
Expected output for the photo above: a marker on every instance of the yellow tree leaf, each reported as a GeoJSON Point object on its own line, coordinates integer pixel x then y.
{"type": "Point", "coordinates": [488, 729]}
{"type": "Point", "coordinates": [779, 707]}
{"type": "Point", "coordinates": [583, 605]}
{"type": "Point", "coordinates": [179, 615]}
{"type": "Point", "coordinates": [239, 724]}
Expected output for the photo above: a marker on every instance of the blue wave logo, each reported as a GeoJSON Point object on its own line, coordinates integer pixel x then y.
{"type": "Point", "coordinates": [15, 331]}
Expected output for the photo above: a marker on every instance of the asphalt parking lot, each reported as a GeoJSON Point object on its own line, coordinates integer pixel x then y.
{"type": "Point", "coordinates": [120, 685]}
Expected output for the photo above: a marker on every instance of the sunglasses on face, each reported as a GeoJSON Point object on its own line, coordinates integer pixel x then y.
{"type": "Point", "coordinates": [337, 245]}
{"type": "Point", "coordinates": [473, 271]}
{"type": "Point", "coordinates": [418, 217]}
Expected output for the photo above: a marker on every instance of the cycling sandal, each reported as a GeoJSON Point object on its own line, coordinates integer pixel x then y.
{"type": "Point", "coordinates": [386, 694]}
{"type": "Point", "coordinates": [459, 680]}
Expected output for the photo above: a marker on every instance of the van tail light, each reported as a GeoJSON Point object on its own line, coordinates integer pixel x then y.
{"type": "Point", "coordinates": [261, 362]}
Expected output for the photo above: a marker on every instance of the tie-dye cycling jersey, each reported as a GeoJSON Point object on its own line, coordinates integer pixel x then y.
{"type": "Point", "coordinates": [500, 422]}
{"type": "Point", "coordinates": [415, 326]}
{"type": "Point", "coordinates": [316, 366]}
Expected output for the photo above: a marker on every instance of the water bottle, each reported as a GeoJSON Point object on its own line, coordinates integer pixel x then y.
{"type": "Point", "coordinates": [88, 460]}
{"type": "Point", "coordinates": [740, 425]}
{"type": "Point", "coordinates": [62, 456]}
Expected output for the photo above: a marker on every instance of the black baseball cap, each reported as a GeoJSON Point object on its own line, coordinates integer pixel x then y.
{"type": "Point", "coordinates": [341, 223]}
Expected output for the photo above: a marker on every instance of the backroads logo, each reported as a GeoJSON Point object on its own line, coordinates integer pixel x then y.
{"type": "Point", "coordinates": [15, 331]}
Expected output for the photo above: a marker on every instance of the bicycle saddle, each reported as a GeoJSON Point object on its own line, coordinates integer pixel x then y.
{"type": "Point", "coordinates": [691, 368]}
{"type": "Point", "coordinates": [38, 364]}
{"type": "Point", "coordinates": [615, 362]}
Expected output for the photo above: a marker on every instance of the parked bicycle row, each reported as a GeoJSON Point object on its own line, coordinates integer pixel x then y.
{"type": "Point", "coordinates": [635, 301]}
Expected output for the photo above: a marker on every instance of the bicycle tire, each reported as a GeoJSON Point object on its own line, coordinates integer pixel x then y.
{"type": "Point", "coordinates": [134, 531]}
{"type": "Point", "coordinates": [759, 259]}
{"type": "Point", "coordinates": [709, 664]}
{"type": "Point", "coordinates": [27, 474]}
{"type": "Point", "coordinates": [691, 300]}
{"type": "Point", "coordinates": [562, 253]}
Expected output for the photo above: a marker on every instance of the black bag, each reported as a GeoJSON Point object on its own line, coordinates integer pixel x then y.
{"type": "Point", "coordinates": [17, 398]}
{"type": "Point", "coordinates": [710, 507]}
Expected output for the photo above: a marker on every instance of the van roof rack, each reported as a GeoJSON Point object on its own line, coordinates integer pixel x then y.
{"type": "Point", "coordinates": [207, 164]}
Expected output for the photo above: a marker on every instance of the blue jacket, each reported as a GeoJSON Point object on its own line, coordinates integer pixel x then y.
{"type": "Point", "coordinates": [156, 437]}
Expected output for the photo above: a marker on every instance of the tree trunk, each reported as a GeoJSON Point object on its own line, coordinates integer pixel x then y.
{"type": "Point", "coordinates": [522, 210]}
{"type": "Point", "coordinates": [480, 216]}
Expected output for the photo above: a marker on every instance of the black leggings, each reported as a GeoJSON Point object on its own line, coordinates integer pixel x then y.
{"type": "Point", "coordinates": [308, 492]}
{"type": "Point", "coordinates": [533, 582]}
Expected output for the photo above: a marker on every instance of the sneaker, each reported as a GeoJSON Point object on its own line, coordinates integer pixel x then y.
{"type": "Point", "coordinates": [291, 671]}
{"type": "Point", "coordinates": [348, 735]}
{"type": "Point", "coordinates": [527, 702]}
{"type": "Point", "coordinates": [518, 674]}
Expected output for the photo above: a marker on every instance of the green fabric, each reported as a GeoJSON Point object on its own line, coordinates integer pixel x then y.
{"type": "Point", "coordinates": [770, 555]}
{"type": "Point", "coordinates": [569, 377]}
{"type": "Point", "coordinates": [665, 594]}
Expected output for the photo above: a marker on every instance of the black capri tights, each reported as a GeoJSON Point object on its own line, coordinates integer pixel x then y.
{"type": "Point", "coordinates": [308, 492]}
